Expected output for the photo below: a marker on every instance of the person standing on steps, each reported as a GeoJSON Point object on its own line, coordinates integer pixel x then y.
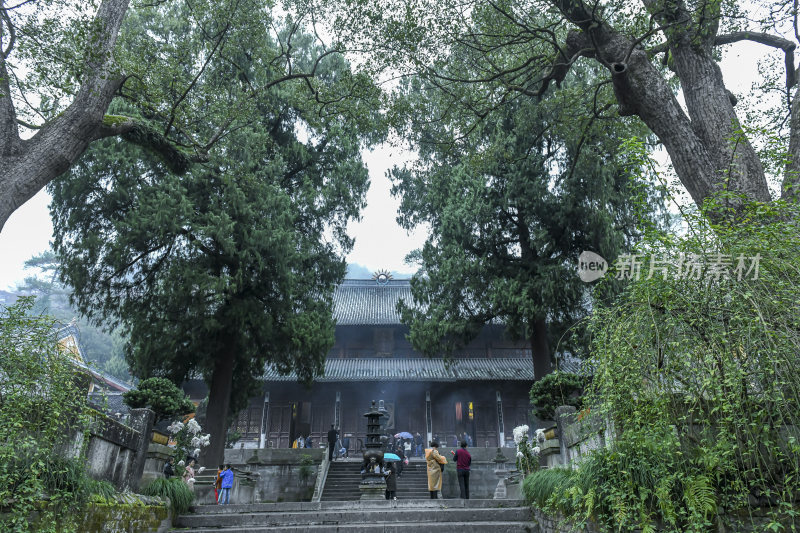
{"type": "Point", "coordinates": [332, 437]}
{"type": "Point", "coordinates": [463, 460]}
{"type": "Point", "coordinates": [390, 473]}
{"type": "Point", "coordinates": [418, 445]}
{"type": "Point", "coordinates": [435, 468]}
{"type": "Point", "coordinates": [227, 485]}
{"type": "Point", "coordinates": [218, 483]}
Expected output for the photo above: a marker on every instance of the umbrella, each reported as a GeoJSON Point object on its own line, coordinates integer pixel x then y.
{"type": "Point", "coordinates": [404, 435]}
{"type": "Point", "coordinates": [390, 457]}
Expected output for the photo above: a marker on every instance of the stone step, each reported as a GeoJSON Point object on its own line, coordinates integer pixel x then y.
{"type": "Point", "coordinates": [375, 504]}
{"type": "Point", "coordinates": [389, 527]}
{"type": "Point", "coordinates": [354, 516]}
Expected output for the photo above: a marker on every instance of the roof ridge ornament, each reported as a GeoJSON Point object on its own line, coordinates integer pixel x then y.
{"type": "Point", "coordinates": [382, 277]}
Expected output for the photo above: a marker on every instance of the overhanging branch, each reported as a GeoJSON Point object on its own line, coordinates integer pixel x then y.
{"type": "Point", "coordinates": [767, 39]}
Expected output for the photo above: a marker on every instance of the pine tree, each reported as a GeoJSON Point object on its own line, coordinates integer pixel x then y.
{"type": "Point", "coordinates": [512, 198]}
{"type": "Point", "coordinates": [231, 266]}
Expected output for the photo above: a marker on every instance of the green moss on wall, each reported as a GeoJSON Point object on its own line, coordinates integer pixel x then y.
{"type": "Point", "coordinates": [123, 518]}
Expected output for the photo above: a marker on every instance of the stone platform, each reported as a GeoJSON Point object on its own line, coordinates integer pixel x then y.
{"type": "Point", "coordinates": [443, 516]}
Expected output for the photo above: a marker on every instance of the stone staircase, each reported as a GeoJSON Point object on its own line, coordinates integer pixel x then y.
{"type": "Point", "coordinates": [377, 516]}
{"type": "Point", "coordinates": [344, 477]}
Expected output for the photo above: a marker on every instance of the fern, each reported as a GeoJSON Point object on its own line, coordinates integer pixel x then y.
{"type": "Point", "coordinates": [663, 494]}
{"type": "Point", "coordinates": [699, 495]}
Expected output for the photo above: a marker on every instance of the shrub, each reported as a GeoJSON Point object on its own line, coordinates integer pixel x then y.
{"type": "Point", "coordinates": [162, 396]}
{"type": "Point", "coordinates": [42, 408]}
{"type": "Point", "coordinates": [555, 389]}
{"type": "Point", "coordinates": [179, 494]}
{"type": "Point", "coordinates": [700, 378]}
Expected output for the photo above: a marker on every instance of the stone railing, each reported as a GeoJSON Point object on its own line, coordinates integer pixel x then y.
{"type": "Point", "coordinates": [574, 435]}
{"type": "Point", "coordinates": [116, 452]}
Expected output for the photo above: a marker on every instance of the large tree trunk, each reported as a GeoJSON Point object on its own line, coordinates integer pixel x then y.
{"type": "Point", "coordinates": [540, 350]}
{"type": "Point", "coordinates": [707, 151]}
{"type": "Point", "coordinates": [26, 166]}
{"type": "Point", "coordinates": [219, 399]}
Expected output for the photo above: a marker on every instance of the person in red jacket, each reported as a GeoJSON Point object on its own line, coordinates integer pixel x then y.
{"type": "Point", "coordinates": [463, 460]}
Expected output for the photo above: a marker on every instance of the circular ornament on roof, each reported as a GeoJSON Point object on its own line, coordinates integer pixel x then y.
{"type": "Point", "coordinates": [382, 277]}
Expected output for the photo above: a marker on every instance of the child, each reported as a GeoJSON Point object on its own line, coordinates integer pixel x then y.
{"type": "Point", "coordinates": [227, 484]}
{"type": "Point", "coordinates": [218, 483]}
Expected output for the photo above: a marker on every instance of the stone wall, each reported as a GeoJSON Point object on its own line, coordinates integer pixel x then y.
{"type": "Point", "coordinates": [116, 452]}
{"type": "Point", "coordinates": [125, 518]}
{"type": "Point", "coordinates": [268, 475]}
{"type": "Point", "coordinates": [123, 513]}
{"type": "Point", "coordinates": [155, 458]}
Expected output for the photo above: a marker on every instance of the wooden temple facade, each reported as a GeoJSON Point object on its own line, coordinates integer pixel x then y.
{"type": "Point", "coordinates": [484, 392]}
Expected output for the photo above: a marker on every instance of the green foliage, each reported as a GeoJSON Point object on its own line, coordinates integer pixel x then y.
{"type": "Point", "coordinates": [234, 263]}
{"type": "Point", "coordinates": [700, 379]}
{"type": "Point", "coordinates": [160, 395]}
{"type": "Point", "coordinates": [545, 487]}
{"type": "Point", "coordinates": [511, 192]}
{"type": "Point", "coordinates": [555, 389]}
{"type": "Point", "coordinates": [42, 409]}
{"type": "Point", "coordinates": [179, 494]}
{"type": "Point", "coordinates": [99, 346]}
{"type": "Point", "coordinates": [231, 438]}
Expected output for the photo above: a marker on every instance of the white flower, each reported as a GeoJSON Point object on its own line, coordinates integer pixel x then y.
{"type": "Point", "coordinates": [181, 462]}
{"type": "Point", "coordinates": [520, 455]}
{"type": "Point", "coordinates": [175, 427]}
{"type": "Point", "coordinates": [540, 438]}
{"type": "Point", "coordinates": [206, 439]}
{"type": "Point", "coordinates": [536, 450]}
{"type": "Point", "coordinates": [201, 470]}
{"type": "Point", "coordinates": [520, 432]}
{"type": "Point", "coordinates": [196, 452]}
{"type": "Point", "coordinates": [193, 426]}
{"type": "Point", "coordinates": [196, 441]}
{"type": "Point", "coordinates": [191, 480]}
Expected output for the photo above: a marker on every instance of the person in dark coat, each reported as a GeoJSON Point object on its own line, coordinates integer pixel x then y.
{"type": "Point", "coordinates": [169, 468]}
{"type": "Point", "coordinates": [333, 435]}
{"type": "Point", "coordinates": [418, 445]}
{"type": "Point", "coordinates": [400, 451]}
{"type": "Point", "coordinates": [390, 473]}
{"type": "Point", "coordinates": [463, 460]}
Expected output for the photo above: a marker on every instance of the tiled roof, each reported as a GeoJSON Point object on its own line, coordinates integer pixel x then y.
{"type": "Point", "coordinates": [569, 363]}
{"type": "Point", "coordinates": [361, 302]}
{"type": "Point", "coordinates": [418, 370]}
{"type": "Point", "coordinates": [110, 403]}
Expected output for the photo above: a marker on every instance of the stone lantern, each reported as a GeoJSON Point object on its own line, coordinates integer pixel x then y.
{"type": "Point", "coordinates": [373, 484]}
{"type": "Point", "coordinates": [500, 492]}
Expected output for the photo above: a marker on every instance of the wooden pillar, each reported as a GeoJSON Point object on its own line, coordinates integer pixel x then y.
{"type": "Point", "coordinates": [501, 432]}
{"type": "Point", "coordinates": [262, 442]}
{"type": "Point", "coordinates": [428, 418]}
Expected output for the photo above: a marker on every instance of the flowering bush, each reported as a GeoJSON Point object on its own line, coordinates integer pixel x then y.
{"type": "Point", "coordinates": [527, 453]}
{"type": "Point", "coordinates": [188, 439]}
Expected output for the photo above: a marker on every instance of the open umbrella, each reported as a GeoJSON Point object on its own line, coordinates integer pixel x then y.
{"type": "Point", "coordinates": [390, 457]}
{"type": "Point", "coordinates": [404, 435]}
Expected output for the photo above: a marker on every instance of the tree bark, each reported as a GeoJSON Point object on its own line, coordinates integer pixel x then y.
{"type": "Point", "coordinates": [219, 399]}
{"type": "Point", "coordinates": [707, 150]}
{"type": "Point", "coordinates": [26, 166]}
{"type": "Point", "coordinates": [540, 350]}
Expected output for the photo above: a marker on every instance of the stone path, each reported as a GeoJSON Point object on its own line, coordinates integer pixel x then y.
{"type": "Point", "coordinates": [442, 516]}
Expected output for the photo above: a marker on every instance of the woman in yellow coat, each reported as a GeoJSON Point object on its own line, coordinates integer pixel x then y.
{"type": "Point", "coordinates": [435, 466]}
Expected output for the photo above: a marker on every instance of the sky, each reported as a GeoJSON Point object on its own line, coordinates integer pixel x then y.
{"type": "Point", "coordinates": [379, 242]}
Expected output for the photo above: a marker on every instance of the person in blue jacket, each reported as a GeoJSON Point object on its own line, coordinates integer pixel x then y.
{"type": "Point", "coordinates": [227, 483]}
